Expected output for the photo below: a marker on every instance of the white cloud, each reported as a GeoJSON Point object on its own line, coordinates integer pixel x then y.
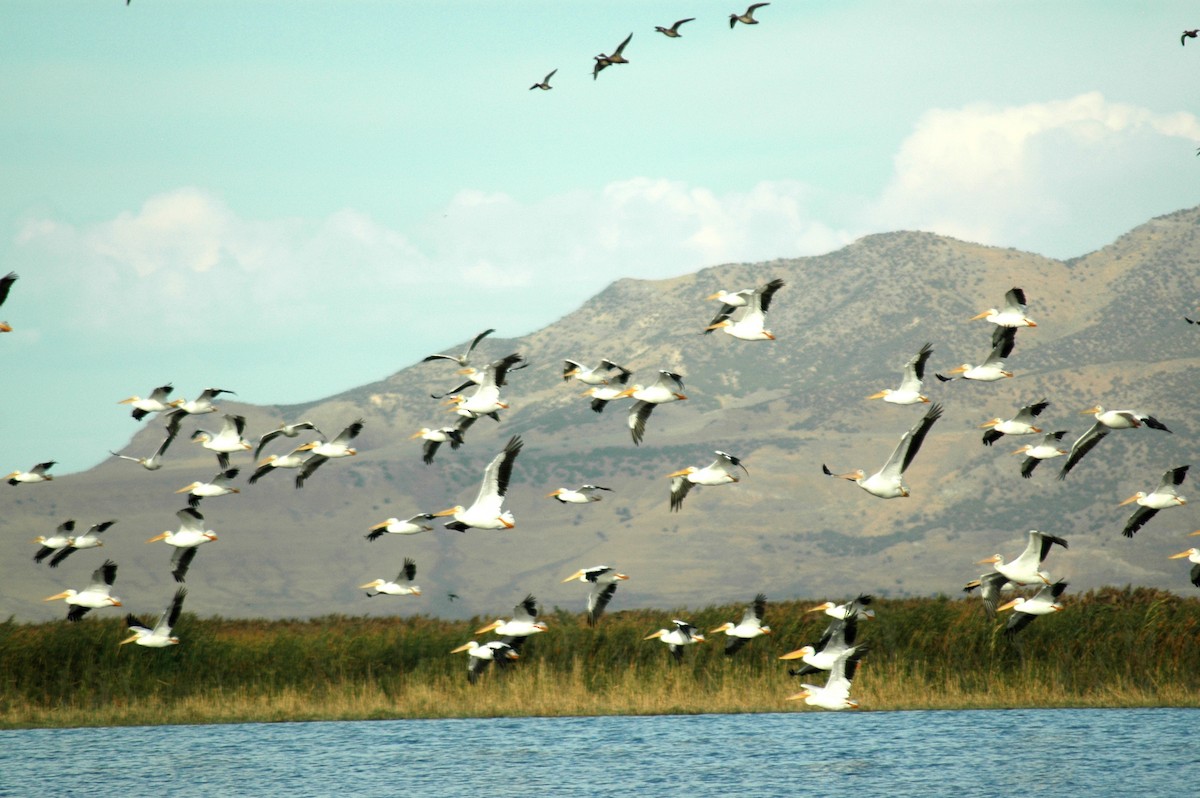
{"type": "Point", "coordinates": [1017, 175]}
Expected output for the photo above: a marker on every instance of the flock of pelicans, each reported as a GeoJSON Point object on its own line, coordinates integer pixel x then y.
{"type": "Point", "coordinates": [742, 315]}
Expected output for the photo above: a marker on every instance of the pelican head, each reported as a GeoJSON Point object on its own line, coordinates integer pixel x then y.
{"type": "Point", "coordinates": [885, 392]}
{"type": "Point", "coordinates": [799, 653]}
{"type": "Point", "coordinates": [1135, 497]}
{"type": "Point", "coordinates": [985, 314]}
{"type": "Point", "coordinates": [1193, 552]}
{"type": "Point", "coordinates": [725, 627]}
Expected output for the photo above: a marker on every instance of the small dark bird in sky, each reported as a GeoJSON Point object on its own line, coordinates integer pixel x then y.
{"type": "Point", "coordinates": [1188, 34]}
{"type": "Point", "coordinates": [673, 31]}
{"type": "Point", "coordinates": [545, 84]}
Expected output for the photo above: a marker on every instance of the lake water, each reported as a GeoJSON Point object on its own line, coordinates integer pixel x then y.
{"type": "Point", "coordinates": [1090, 752]}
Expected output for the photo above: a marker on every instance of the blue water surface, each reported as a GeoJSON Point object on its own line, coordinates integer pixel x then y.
{"type": "Point", "coordinates": [858, 754]}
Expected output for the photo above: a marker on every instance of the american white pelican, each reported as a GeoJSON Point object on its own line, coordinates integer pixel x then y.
{"type": "Point", "coordinates": [476, 377]}
{"type": "Point", "coordinates": [479, 656]}
{"type": "Point", "coordinates": [989, 586]}
{"type": "Point", "coordinates": [394, 526]}
{"type": "Point", "coordinates": [402, 585]}
{"type": "Point", "coordinates": [909, 392]}
{"type": "Point", "coordinates": [154, 461]}
{"type": "Point", "coordinates": [6, 284]}
{"type": "Point", "coordinates": [1045, 450]}
{"type": "Point", "coordinates": [486, 398]}
{"type": "Point", "coordinates": [487, 511]}
{"type": "Point", "coordinates": [750, 322]}
{"type": "Point", "coordinates": [186, 539]}
{"type": "Point", "coordinates": [434, 438]}
{"type": "Point", "coordinates": [544, 85]}
{"type": "Point", "coordinates": [1164, 496]}
{"type": "Point", "coordinates": [286, 431]}
{"type": "Point", "coordinates": [721, 471]}
{"type": "Point", "coordinates": [1193, 555]}
{"type": "Point", "coordinates": [585, 494]}
{"type": "Point", "coordinates": [464, 359]}
{"type": "Point", "coordinates": [220, 485]}
{"type": "Point", "coordinates": [860, 607]}
{"type": "Point", "coordinates": [97, 594]}
{"type": "Point", "coordinates": [667, 388]}
{"type": "Point", "coordinates": [1106, 421]}
{"type": "Point", "coordinates": [750, 627]}
{"type": "Point", "coordinates": [35, 474]}
{"type": "Point", "coordinates": [156, 402]}
{"type": "Point", "coordinates": [1013, 314]}
{"type": "Point", "coordinates": [888, 482]}
{"type": "Point", "coordinates": [603, 579]}
{"type": "Point", "coordinates": [673, 31]}
{"type": "Point", "coordinates": [201, 404]}
{"type": "Point", "coordinates": [523, 624]}
{"type": "Point", "coordinates": [835, 693]}
{"type": "Point", "coordinates": [597, 375]}
{"type": "Point", "coordinates": [993, 368]}
{"type": "Point", "coordinates": [684, 634]}
{"type": "Point", "coordinates": [1022, 423]}
{"type": "Point", "coordinates": [160, 635]}
{"type": "Point", "coordinates": [88, 540]}
{"type": "Point", "coordinates": [1027, 568]}
{"type": "Point", "coordinates": [328, 450]}
{"type": "Point", "coordinates": [603, 61]}
{"type": "Point", "coordinates": [293, 459]}
{"type": "Point", "coordinates": [836, 642]}
{"type": "Point", "coordinates": [226, 441]}
{"type": "Point", "coordinates": [1044, 602]}
{"type": "Point", "coordinates": [52, 543]}
{"type": "Point", "coordinates": [603, 394]}
{"type": "Point", "coordinates": [748, 17]}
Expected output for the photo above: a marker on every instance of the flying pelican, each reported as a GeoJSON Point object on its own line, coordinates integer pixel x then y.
{"type": "Point", "coordinates": [603, 394]}
{"type": "Point", "coordinates": [667, 388]}
{"type": "Point", "coordinates": [328, 450]}
{"type": "Point", "coordinates": [888, 482]}
{"type": "Point", "coordinates": [1162, 497]}
{"type": "Point", "coordinates": [160, 636]}
{"type": "Point", "coordinates": [523, 624]}
{"type": "Point", "coordinates": [909, 392]}
{"type": "Point", "coordinates": [993, 368]}
{"type": "Point", "coordinates": [6, 284]}
{"type": "Point", "coordinates": [97, 594]}
{"type": "Point", "coordinates": [55, 542]}
{"type": "Point", "coordinates": [719, 472]}
{"type": "Point", "coordinates": [1193, 555]}
{"type": "Point", "coordinates": [1021, 424]}
{"type": "Point", "coordinates": [486, 398]}
{"type": "Point", "coordinates": [476, 376]}
{"type": "Point", "coordinates": [598, 375]}
{"type": "Point", "coordinates": [464, 359]}
{"type": "Point", "coordinates": [1106, 421]}
{"type": "Point", "coordinates": [217, 486]}
{"type": "Point", "coordinates": [750, 627]}
{"type": "Point", "coordinates": [154, 461]}
{"type": "Point", "coordinates": [35, 474]}
{"type": "Point", "coordinates": [293, 459]}
{"type": "Point", "coordinates": [684, 634]}
{"type": "Point", "coordinates": [836, 642]}
{"type": "Point", "coordinates": [434, 438]}
{"type": "Point", "coordinates": [1043, 451]}
{"type": "Point", "coordinates": [226, 441]}
{"type": "Point", "coordinates": [835, 694]}
{"type": "Point", "coordinates": [673, 31]}
{"type": "Point", "coordinates": [750, 324]}
{"type": "Point", "coordinates": [544, 85]}
{"type": "Point", "coordinates": [586, 494]}
{"type": "Point", "coordinates": [285, 430]}
{"type": "Point", "coordinates": [88, 540]}
{"type": "Point", "coordinates": [603, 61]}
{"type": "Point", "coordinates": [858, 608]}
{"type": "Point", "coordinates": [156, 402]}
{"type": "Point", "coordinates": [1044, 602]}
{"type": "Point", "coordinates": [402, 585]}
{"type": "Point", "coordinates": [394, 526]}
{"type": "Point", "coordinates": [603, 579]}
{"type": "Point", "coordinates": [201, 404]}
{"type": "Point", "coordinates": [1027, 568]}
{"type": "Point", "coordinates": [479, 656]}
{"type": "Point", "coordinates": [746, 18]}
{"type": "Point", "coordinates": [190, 535]}
{"type": "Point", "coordinates": [989, 586]}
{"type": "Point", "coordinates": [487, 511]}
{"type": "Point", "coordinates": [1013, 314]}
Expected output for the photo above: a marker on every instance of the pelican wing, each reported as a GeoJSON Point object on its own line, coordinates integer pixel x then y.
{"type": "Point", "coordinates": [103, 577]}
{"type": "Point", "coordinates": [408, 572]}
{"type": "Point", "coordinates": [1003, 340]}
{"type": "Point", "coordinates": [910, 443]}
{"type": "Point", "coordinates": [621, 47]}
{"type": "Point", "coordinates": [6, 284]}
{"type": "Point", "coordinates": [349, 433]}
{"type": "Point", "coordinates": [762, 296]}
{"type": "Point", "coordinates": [1014, 301]}
{"type": "Point", "coordinates": [728, 462]}
{"type": "Point", "coordinates": [1136, 521]}
{"type": "Point", "coordinates": [754, 613]}
{"type": "Point", "coordinates": [190, 520]}
{"type": "Point", "coordinates": [182, 560]}
{"type": "Point", "coordinates": [914, 369]}
{"type": "Point", "coordinates": [1172, 479]}
{"type": "Point", "coordinates": [680, 486]}
{"type": "Point", "coordinates": [310, 465]}
{"type": "Point", "coordinates": [526, 611]}
{"type": "Point", "coordinates": [170, 616]}
{"type": "Point", "coordinates": [498, 474]}
{"type": "Point", "coordinates": [598, 599]}
{"type": "Point", "coordinates": [1087, 440]}
{"type": "Point", "coordinates": [639, 413]}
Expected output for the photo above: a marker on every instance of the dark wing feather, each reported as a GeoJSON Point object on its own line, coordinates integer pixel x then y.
{"type": "Point", "coordinates": [431, 448]}
{"type": "Point", "coordinates": [639, 413]}
{"type": "Point", "coordinates": [306, 470]}
{"type": "Point", "coordinates": [182, 560]}
{"type": "Point", "coordinates": [920, 360]}
{"type": "Point", "coordinates": [176, 607]}
{"type": "Point", "coordinates": [767, 292]}
{"type": "Point", "coordinates": [1027, 466]}
{"type": "Point", "coordinates": [1003, 340]}
{"type": "Point", "coordinates": [6, 284]}
{"type": "Point", "coordinates": [680, 486]}
{"type": "Point", "coordinates": [733, 644]}
{"type": "Point", "coordinates": [1089, 439]}
{"type": "Point", "coordinates": [1047, 542]}
{"type": "Point", "coordinates": [62, 554]}
{"type": "Point", "coordinates": [409, 571]}
{"type": "Point", "coordinates": [918, 434]}
{"type": "Point", "coordinates": [598, 600]}
{"type": "Point", "coordinates": [991, 436]}
{"type": "Point", "coordinates": [1017, 622]}
{"type": "Point", "coordinates": [504, 473]}
{"type": "Point", "coordinates": [1138, 520]}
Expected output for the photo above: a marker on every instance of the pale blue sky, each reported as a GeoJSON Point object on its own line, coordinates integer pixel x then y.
{"type": "Point", "coordinates": [247, 194]}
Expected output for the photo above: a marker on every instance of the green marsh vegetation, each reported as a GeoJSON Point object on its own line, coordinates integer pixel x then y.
{"type": "Point", "coordinates": [1113, 647]}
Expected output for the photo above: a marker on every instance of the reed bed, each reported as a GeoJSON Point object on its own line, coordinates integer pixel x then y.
{"type": "Point", "coordinates": [1131, 647]}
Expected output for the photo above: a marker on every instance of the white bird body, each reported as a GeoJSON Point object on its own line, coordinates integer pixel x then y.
{"type": "Point", "coordinates": [35, 474]}
{"type": "Point", "coordinates": [226, 441]}
{"type": "Point", "coordinates": [585, 495]}
{"type": "Point", "coordinates": [487, 511]}
{"type": "Point", "coordinates": [156, 402]}
{"type": "Point", "coordinates": [835, 693]}
{"type": "Point", "coordinates": [60, 539]}
{"type": "Point", "coordinates": [994, 367]}
{"type": "Point", "coordinates": [667, 388]}
{"type": "Point", "coordinates": [1106, 421]}
{"type": "Point", "coordinates": [201, 404]}
{"type": "Point", "coordinates": [190, 535]}
{"type": "Point", "coordinates": [1013, 314]}
{"type": "Point", "coordinates": [220, 485]}
{"type": "Point", "coordinates": [750, 626]}
{"type": "Point", "coordinates": [96, 595]}
{"type": "Point", "coordinates": [749, 322]}
{"type": "Point", "coordinates": [394, 526]}
{"type": "Point", "coordinates": [721, 471]}
{"type": "Point", "coordinates": [1164, 496]}
{"type": "Point", "coordinates": [684, 634]}
{"type": "Point", "coordinates": [1026, 569]}
{"type": "Point", "coordinates": [888, 482]}
{"type": "Point", "coordinates": [597, 375]}
{"type": "Point", "coordinates": [1044, 602]}
{"type": "Point", "coordinates": [858, 608]}
{"type": "Point", "coordinates": [603, 579]}
{"type": "Point", "coordinates": [160, 635]}
{"type": "Point", "coordinates": [479, 656]}
{"type": "Point", "coordinates": [909, 392]}
{"type": "Point", "coordinates": [523, 623]}
{"type": "Point", "coordinates": [88, 540]}
{"type": "Point", "coordinates": [402, 585]}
